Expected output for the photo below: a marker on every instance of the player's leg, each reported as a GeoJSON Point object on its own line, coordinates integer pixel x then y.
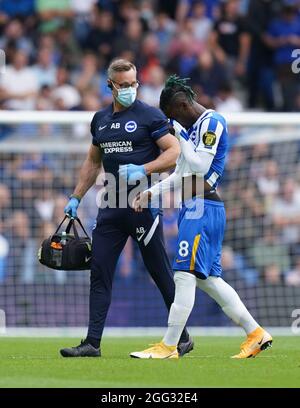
{"type": "Point", "coordinates": [185, 282]}
{"type": "Point", "coordinates": [107, 238]}
{"type": "Point", "coordinates": [209, 280]}
{"type": "Point", "coordinates": [157, 263]}
{"type": "Point", "coordinates": [185, 289]}
{"type": "Point", "coordinates": [257, 338]}
{"type": "Point", "coordinates": [178, 316]}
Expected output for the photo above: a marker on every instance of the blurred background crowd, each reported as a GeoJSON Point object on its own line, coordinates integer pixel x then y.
{"type": "Point", "coordinates": [238, 56]}
{"type": "Point", "coordinates": [238, 53]}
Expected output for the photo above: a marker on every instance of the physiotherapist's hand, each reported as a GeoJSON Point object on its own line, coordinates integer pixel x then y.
{"type": "Point", "coordinates": [179, 130]}
{"type": "Point", "coordinates": [72, 206]}
{"type": "Point", "coordinates": [132, 172]}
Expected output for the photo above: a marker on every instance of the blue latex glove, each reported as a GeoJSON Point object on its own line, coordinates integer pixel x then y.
{"type": "Point", "coordinates": [132, 172]}
{"type": "Point", "coordinates": [180, 131]}
{"type": "Point", "coordinates": [71, 208]}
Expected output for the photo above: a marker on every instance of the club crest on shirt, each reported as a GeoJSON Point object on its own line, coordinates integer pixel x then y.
{"type": "Point", "coordinates": [130, 126]}
{"type": "Point", "coordinates": [209, 138]}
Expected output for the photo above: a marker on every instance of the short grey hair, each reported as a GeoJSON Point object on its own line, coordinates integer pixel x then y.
{"type": "Point", "coordinates": [119, 65]}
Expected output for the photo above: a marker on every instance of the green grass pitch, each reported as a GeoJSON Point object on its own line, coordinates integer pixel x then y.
{"type": "Point", "coordinates": [36, 362]}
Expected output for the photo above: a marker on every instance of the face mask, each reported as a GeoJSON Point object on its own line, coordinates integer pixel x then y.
{"type": "Point", "coordinates": [126, 96]}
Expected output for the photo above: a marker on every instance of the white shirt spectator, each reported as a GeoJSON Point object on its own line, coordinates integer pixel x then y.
{"type": "Point", "coordinates": [68, 95]}
{"type": "Point", "coordinates": [286, 214]}
{"type": "Point", "coordinates": [20, 82]}
{"type": "Point", "coordinates": [293, 277]}
{"type": "Point", "coordinates": [150, 94]}
{"type": "Point", "coordinates": [230, 104]}
{"type": "Point", "coordinates": [45, 76]}
{"type": "Point", "coordinates": [82, 7]}
{"type": "Point", "coordinates": [202, 28]}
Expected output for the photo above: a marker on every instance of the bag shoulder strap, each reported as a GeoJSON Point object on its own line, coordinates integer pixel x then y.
{"type": "Point", "coordinates": [58, 228]}
{"type": "Point", "coordinates": [71, 224]}
{"type": "Point", "coordinates": [82, 227]}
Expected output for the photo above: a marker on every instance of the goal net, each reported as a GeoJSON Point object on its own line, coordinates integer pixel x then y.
{"type": "Point", "coordinates": [40, 156]}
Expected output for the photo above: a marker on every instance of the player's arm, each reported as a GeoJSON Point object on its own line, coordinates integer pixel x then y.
{"type": "Point", "coordinates": [170, 148]}
{"type": "Point", "coordinates": [88, 172]}
{"type": "Point", "coordinates": [199, 161]}
{"type": "Point", "coordinates": [172, 182]}
{"type": "Point", "coordinates": [165, 161]}
{"type": "Point", "coordinates": [159, 132]}
{"type": "Point", "coordinates": [199, 158]}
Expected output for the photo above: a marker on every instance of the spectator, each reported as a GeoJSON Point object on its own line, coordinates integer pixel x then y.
{"type": "Point", "coordinates": [86, 76]}
{"type": "Point", "coordinates": [285, 212]}
{"type": "Point", "coordinates": [150, 91]}
{"type": "Point", "coordinates": [208, 75]}
{"type": "Point", "coordinates": [260, 70]}
{"type": "Point", "coordinates": [230, 40]}
{"type": "Point", "coordinates": [268, 252]}
{"type": "Point", "coordinates": [149, 56]}
{"type": "Point", "coordinates": [19, 86]}
{"type": "Point", "coordinates": [235, 269]}
{"type": "Point", "coordinates": [45, 70]}
{"type": "Point", "coordinates": [53, 14]}
{"type": "Point", "coordinates": [14, 8]}
{"type": "Point", "coordinates": [44, 101]}
{"type": "Point", "coordinates": [83, 11]}
{"type": "Point", "coordinates": [132, 38]}
{"type": "Point", "coordinates": [272, 275]}
{"type": "Point", "coordinates": [201, 24]}
{"type": "Point", "coordinates": [15, 38]}
{"type": "Point", "coordinates": [292, 277]}
{"type": "Point", "coordinates": [65, 96]}
{"type": "Point", "coordinates": [268, 182]}
{"type": "Point", "coordinates": [185, 55]}
{"type": "Point", "coordinates": [283, 36]}
{"type": "Point", "coordinates": [226, 101]}
{"type": "Point", "coordinates": [101, 37]}
{"type": "Point", "coordinates": [164, 30]}
{"type": "Point", "coordinates": [187, 7]}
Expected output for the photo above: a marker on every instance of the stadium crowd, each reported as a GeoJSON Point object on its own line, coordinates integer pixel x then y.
{"type": "Point", "coordinates": [238, 55]}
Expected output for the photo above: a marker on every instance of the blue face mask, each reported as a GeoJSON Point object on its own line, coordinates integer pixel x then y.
{"type": "Point", "coordinates": [126, 96]}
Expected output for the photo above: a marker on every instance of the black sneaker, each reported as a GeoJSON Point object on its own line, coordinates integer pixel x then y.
{"type": "Point", "coordinates": [83, 350]}
{"type": "Point", "coordinates": [185, 347]}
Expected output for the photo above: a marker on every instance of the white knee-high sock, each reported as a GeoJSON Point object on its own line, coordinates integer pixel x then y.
{"type": "Point", "coordinates": [229, 301]}
{"type": "Point", "coordinates": [181, 307]}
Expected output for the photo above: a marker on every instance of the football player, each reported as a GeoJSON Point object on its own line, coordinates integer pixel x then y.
{"type": "Point", "coordinates": [203, 138]}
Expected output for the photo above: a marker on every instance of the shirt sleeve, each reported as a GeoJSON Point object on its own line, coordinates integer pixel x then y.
{"type": "Point", "coordinates": [210, 134]}
{"type": "Point", "coordinates": [159, 125]}
{"type": "Point", "coordinates": [93, 130]}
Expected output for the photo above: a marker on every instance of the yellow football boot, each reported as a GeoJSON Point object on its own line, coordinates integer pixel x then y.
{"type": "Point", "coordinates": [256, 342]}
{"type": "Point", "coordinates": [159, 350]}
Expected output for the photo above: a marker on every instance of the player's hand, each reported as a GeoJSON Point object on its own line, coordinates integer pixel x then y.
{"type": "Point", "coordinates": [179, 130]}
{"type": "Point", "coordinates": [71, 208]}
{"type": "Point", "coordinates": [141, 201]}
{"type": "Point", "coordinates": [132, 172]}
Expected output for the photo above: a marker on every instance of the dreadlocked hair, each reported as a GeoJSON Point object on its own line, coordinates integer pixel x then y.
{"type": "Point", "coordinates": [175, 85]}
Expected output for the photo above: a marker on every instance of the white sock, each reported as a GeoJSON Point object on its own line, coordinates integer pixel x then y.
{"type": "Point", "coordinates": [181, 307]}
{"type": "Point", "coordinates": [229, 301]}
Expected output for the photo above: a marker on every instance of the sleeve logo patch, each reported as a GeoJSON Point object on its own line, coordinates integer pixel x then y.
{"type": "Point", "coordinates": [209, 138]}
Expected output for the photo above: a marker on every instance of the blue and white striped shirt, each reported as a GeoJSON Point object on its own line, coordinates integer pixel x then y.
{"type": "Point", "coordinates": [210, 134]}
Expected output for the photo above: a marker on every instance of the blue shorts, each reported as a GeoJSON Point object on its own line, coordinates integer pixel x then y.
{"type": "Point", "coordinates": [199, 242]}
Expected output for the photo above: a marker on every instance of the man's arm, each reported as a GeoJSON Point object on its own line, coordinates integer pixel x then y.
{"type": "Point", "coordinates": [167, 159]}
{"type": "Point", "coordinates": [88, 172]}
